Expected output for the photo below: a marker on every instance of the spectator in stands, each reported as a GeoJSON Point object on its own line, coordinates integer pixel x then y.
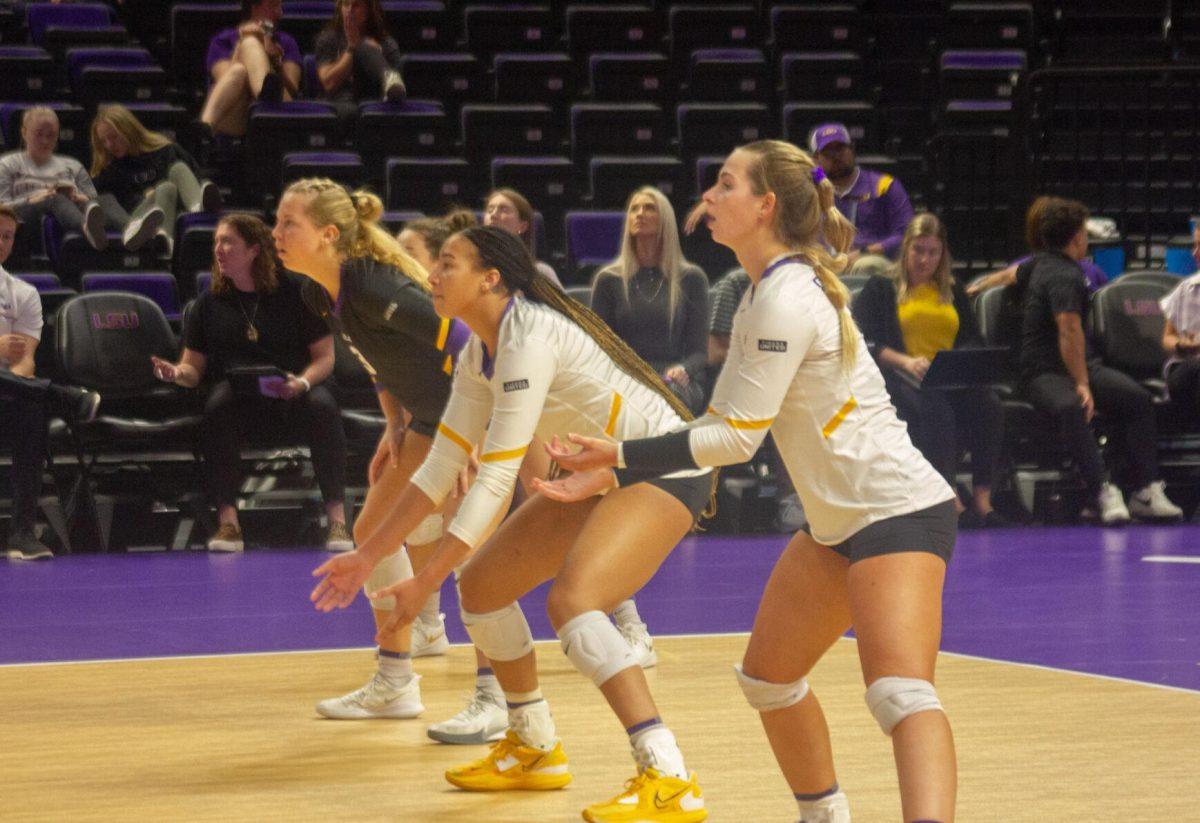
{"type": "Point", "coordinates": [422, 239]}
{"type": "Point", "coordinates": [253, 315]}
{"type": "Point", "coordinates": [1062, 380]}
{"type": "Point", "coordinates": [251, 62]}
{"type": "Point", "coordinates": [655, 300]}
{"type": "Point", "coordinates": [356, 57]}
{"type": "Point", "coordinates": [508, 209]}
{"type": "Point", "coordinates": [917, 310]}
{"type": "Point", "coordinates": [137, 170]}
{"type": "Point", "coordinates": [37, 182]}
{"type": "Point", "coordinates": [875, 203]}
{"type": "Point", "coordinates": [723, 299]}
{"type": "Point", "coordinates": [24, 399]}
{"type": "Point", "coordinates": [1181, 336]}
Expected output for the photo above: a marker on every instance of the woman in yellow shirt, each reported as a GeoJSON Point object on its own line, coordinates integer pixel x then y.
{"type": "Point", "coordinates": [910, 315]}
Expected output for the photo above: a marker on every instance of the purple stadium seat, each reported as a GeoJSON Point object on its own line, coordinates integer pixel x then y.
{"type": "Point", "coordinates": [618, 77]}
{"type": "Point", "coordinates": [304, 19]}
{"type": "Point", "coordinates": [716, 128]}
{"type": "Point", "coordinates": [419, 25]}
{"type": "Point", "coordinates": [452, 78]}
{"type": "Point", "coordinates": [819, 27]}
{"type": "Point", "coordinates": [606, 28]}
{"type": "Point", "coordinates": [980, 74]}
{"type": "Point", "coordinates": [192, 27]}
{"type": "Point", "coordinates": [158, 286]}
{"type": "Point", "coordinates": [193, 244]}
{"type": "Point", "coordinates": [728, 74]}
{"type": "Point", "coordinates": [823, 75]}
{"type": "Point", "coordinates": [548, 182]}
{"type": "Point", "coordinates": [42, 281]}
{"type": "Point", "coordinates": [495, 28]}
{"type": "Point", "coordinates": [346, 167]}
{"type": "Point", "coordinates": [395, 220]}
{"type": "Point", "coordinates": [203, 282]}
{"type": "Point", "coordinates": [430, 184]}
{"type": "Point", "coordinates": [116, 74]}
{"type": "Point", "coordinates": [44, 16]}
{"type": "Point", "coordinates": [593, 237]}
{"type": "Point", "coordinates": [708, 168]}
{"type": "Point", "coordinates": [415, 128]}
{"type": "Point", "coordinates": [613, 179]}
{"type": "Point", "coordinates": [492, 129]}
{"type": "Point", "coordinates": [986, 115]}
{"type": "Point", "coordinates": [609, 128]}
{"type": "Point", "coordinates": [276, 129]}
{"type": "Point", "coordinates": [534, 78]}
{"type": "Point", "coordinates": [26, 73]}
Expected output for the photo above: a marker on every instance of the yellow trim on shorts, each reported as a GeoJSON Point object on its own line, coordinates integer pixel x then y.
{"type": "Point", "coordinates": [443, 333]}
{"type": "Point", "coordinates": [750, 424]}
{"type": "Point", "coordinates": [511, 454]}
{"type": "Point", "coordinates": [613, 411]}
{"type": "Point", "coordinates": [837, 420]}
{"type": "Point", "coordinates": [454, 437]}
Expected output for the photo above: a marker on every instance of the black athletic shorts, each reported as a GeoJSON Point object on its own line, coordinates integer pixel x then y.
{"type": "Point", "coordinates": [693, 492]}
{"type": "Point", "coordinates": [421, 427]}
{"type": "Point", "coordinates": [928, 530]}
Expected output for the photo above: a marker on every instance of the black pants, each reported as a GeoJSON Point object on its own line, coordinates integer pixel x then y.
{"type": "Point", "coordinates": [366, 81]}
{"type": "Point", "coordinates": [68, 214]}
{"type": "Point", "coordinates": [312, 417]}
{"type": "Point", "coordinates": [23, 420]}
{"type": "Point", "coordinates": [943, 423]}
{"type": "Point", "coordinates": [1183, 382]}
{"type": "Point", "coordinates": [1118, 398]}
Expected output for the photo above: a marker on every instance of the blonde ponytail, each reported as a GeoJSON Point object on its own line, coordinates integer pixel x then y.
{"type": "Point", "coordinates": [807, 220]}
{"type": "Point", "coordinates": [356, 217]}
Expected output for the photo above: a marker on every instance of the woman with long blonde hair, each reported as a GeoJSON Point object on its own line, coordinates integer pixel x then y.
{"type": "Point", "coordinates": [881, 523]}
{"type": "Point", "coordinates": [654, 299]}
{"type": "Point", "coordinates": [912, 313]}
{"type": "Point", "coordinates": [142, 170]}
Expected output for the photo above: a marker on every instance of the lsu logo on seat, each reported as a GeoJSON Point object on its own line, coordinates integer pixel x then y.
{"type": "Point", "coordinates": [772, 345]}
{"type": "Point", "coordinates": [115, 320]}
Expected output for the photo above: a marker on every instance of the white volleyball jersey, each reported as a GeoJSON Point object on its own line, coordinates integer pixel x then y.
{"type": "Point", "coordinates": [848, 454]}
{"type": "Point", "coordinates": [548, 377]}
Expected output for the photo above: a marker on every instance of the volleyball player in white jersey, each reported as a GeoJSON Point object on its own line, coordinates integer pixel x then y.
{"type": "Point", "coordinates": [540, 364]}
{"type": "Point", "coordinates": [882, 520]}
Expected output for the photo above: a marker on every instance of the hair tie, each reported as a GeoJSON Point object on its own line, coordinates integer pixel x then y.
{"type": "Point", "coordinates": [818, 174]}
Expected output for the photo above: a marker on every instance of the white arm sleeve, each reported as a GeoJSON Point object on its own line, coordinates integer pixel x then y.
{"type": "Point", "coordinates": [522, 380]}
{"type": "Point", "coordinates": [762, 362]}
{"type": "Point", "coordinates": [461, 427]}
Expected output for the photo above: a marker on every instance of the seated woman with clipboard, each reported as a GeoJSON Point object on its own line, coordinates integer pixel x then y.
{"type": "Point", "coordinates": [266, 356]}
{"type": "Point", "coordinates": [910, 316]}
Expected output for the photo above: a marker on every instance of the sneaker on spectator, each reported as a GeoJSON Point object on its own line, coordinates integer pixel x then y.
{"type": "Point", "coordinates": [394, 90]}
{"type": "Point", "coordinates": [142, 229]}
{"type": "Point", "coordinates": [378, 699]}
{"type": "Point", "coordinates": [1152, 503]}
{"type": "Point", "coordinates": [429, 638]}
{"type": "Point", "coordinates": [210, 197]}
{"type": "Point", "coordinates": [24, 545]}
{"type": "Point", "coordinates": [1109, 507]}
{"type": "Point", "coordinates": [227, 539]}
{"type": "Point", "coordinates": [639, 639]}
{"type": "Point", "coordinates": [338, 538]}
{"type": "Point", "coordinates": [484, 720]}
{"type": "Point", "coordinates": [93, 227]}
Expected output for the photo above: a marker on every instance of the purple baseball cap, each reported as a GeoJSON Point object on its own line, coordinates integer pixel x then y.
{"type": "Point", "coordinates": [827, 134]}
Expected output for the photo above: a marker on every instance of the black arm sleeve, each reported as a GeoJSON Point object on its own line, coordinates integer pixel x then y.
{"type": "Point", "coordinates": [656, 456]}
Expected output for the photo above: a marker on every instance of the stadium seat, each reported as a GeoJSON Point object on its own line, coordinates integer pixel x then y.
{"type": "Point", "coordinates": [819, 27]}
{"type": "Point", "coordinates": [823, 75]}
{"type": "Point", "coordinates": [346, 167]}
{"type": "Point", "coordinates": [995, 116]}
{"type": "Point", "coordinates": [717, 26]}
{"type": "Point", "coordinates": [450, 78]}
{"type": "Point", "coordinates": [708, 168]}
{"type": "Point", "coordinates": [1127, 326]}
{"type": "Point", "coordinates": [193, 250]}
{"type": "Point", "coordinates": [980, 74]}
{"type": "Point", "coordinates": [548, 182]}
{"type": "Point", "coordinates": [42, 281]}
{"type": "Point", "coordinates": [415, 128]}
{"type": "Point", "coordinates": [496, 28]}
{"type": "Point", "coordinates": [429, 184]}
{"type": "Point", "coordinates": [115, 74]}
{"type": "Point", "coordinates": [593, 237]}
{"type": "Point", "coordinates": [419, 25]}
{"type": "Point", "coordinates": [609, 128]}
{"type": "Point", "coordinates": [304, 19]}
{"type": "Point", "coordinates": [738, 75]}
{"type": "Point", "coordinates": [158, 286]}
{"type": "Point", "coordinates": [535, 78]}
{"type": "Point", "coordinates": [989, 25]}
{"type": "Point", "coordinates": [57, 27]}
{"type": "Point", "coordinates": [636, 76]}
{"type": "Point", "coordinates": [193, 25]}
{"type": "Point", "coordinates": [73, 125]}
{"type": "Point", "coordinates": [70, 255]}
{"type": "Point", "coordinates": [26, 73]}
{"type": "Point", "coordinates": [715, 128]}
{"type": "Point", "coordinates": [494, 129]}
{"type": "Point", "coordinates": [613, 179]}
{"type": "Point", "coordinates": [598, 27]}
{"type": "Point", "coordinates": [278, 128]}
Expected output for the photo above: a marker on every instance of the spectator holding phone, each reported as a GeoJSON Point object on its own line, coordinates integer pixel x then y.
{"type": "Point", "coordinates": [253, 315]}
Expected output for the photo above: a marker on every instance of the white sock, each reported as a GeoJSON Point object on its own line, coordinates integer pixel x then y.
{"type": "Point", "coordinates": [396, 667]}
{"type": "Point", "coordinates": [626, 613]}
{"type": "Point", "coordinates": [486, 682]}
{"type": "Point", "coordinates": [655, 746]}
{"type": "Point", "coordinates": [826, 807]}
{"type": "Point", "coordinates": [430, 613]}
{"type": "Point", "coordinates": [534, 725]}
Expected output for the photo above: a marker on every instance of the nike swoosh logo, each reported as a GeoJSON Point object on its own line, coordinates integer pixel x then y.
{"type": "Point", "coordinates": [662, 802]}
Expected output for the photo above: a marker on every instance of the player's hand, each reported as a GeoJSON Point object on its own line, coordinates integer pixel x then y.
{"type": "Point", "coordinates": [341, 578]}
{"type": "Point", "coordinates": [290, 388]}
{"type": "Point", "coordinates": [465, 475]}
{"type": "Point", "coordinates": [576, 486]}
{"type": "Point", "coordinates": [410, 597]}
{"type": "Point", "coordinates": [388, 451]}
{"type": "Point", "coordinates": [594, 454]}
{"type": "Point", "coordinates": [1085, 399]}
{"type": "Point", "coordinates": [676, 374]}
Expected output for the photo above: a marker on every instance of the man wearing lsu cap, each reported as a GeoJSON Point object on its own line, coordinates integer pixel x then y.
{"type": "Point", "coordinates": [874, 202]}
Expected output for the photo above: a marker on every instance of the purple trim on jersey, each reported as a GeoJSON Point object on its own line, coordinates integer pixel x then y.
{"type": "Point", "coordinates": [778, 264]}
{"type": "Point", "coordinates": [489, 365]}
{"type": "Point", "coordinates": [456, 338]}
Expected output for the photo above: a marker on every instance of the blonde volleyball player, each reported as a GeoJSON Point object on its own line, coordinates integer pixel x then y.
{"type": "Point", "coordinates": [882, 520]}
{"type": "Point", "coordinates": [377, 299]}
{"type": "Point", "coordinates": [540, 364]}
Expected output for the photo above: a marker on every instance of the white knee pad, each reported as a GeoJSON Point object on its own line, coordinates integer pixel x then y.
{"type": "Point", "coordinates": [428, 530]}
{"type": "Point", "coordinates": [769, 697]}
{"type": "Point", "coordinates": [595, 646]}
{"type": "Point", "coordinates": [389, 570]}
{"type": "Point", "coordinates": [501, 635]}
{"type": "Point", "coordinates": [891, 699]}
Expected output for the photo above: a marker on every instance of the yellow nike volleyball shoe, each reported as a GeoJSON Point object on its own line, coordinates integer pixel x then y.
{"type": "Point", "coordinates": [652, 797]}
{"type": "Point", "coordinates": [511, 765]}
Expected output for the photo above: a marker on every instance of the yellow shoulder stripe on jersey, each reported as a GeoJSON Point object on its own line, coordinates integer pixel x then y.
{"type": "Point", "coordinates": [885, 183]}
{"type": "Point", "coordinates": [454, 437]}
{"type": "Point", "coordinates": [448, 365]}
{"type": "Point", "coordinates": [511, 454]}
{"type": "Point", "coordinates": [750, 424]}
{"type": "Point", "coordinates": [443, 333]}
{"type": "Point", "coordinates": [838, 418]}
{"type": "Point", "coordinates": [710, 410]}
{"type": "Point", "coordinates": [613, 411]}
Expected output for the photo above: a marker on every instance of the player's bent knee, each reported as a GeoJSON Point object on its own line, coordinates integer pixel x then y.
{"type": "Point", "coordinates": [892, 699]}
{"type": "Point", "coordinates": [427, 531]}
{"type": "Point", "coordinates": [392, 569]}
{"type": "Point", "coordinates": [595, 646]}
{"type": "Point", "coordinates": [770, 697]}
{"type": "Point", "coordinates": [501, 635]}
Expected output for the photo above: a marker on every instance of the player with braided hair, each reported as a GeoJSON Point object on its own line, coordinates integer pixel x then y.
{"type": "Point", "coordinates": [540, 364]}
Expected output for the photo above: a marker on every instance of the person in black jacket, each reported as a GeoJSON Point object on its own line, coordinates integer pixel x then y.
{"type": "Point", "coordinates": [910, 316]}
{"type": "Point", "coordinates": [137, 170]}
